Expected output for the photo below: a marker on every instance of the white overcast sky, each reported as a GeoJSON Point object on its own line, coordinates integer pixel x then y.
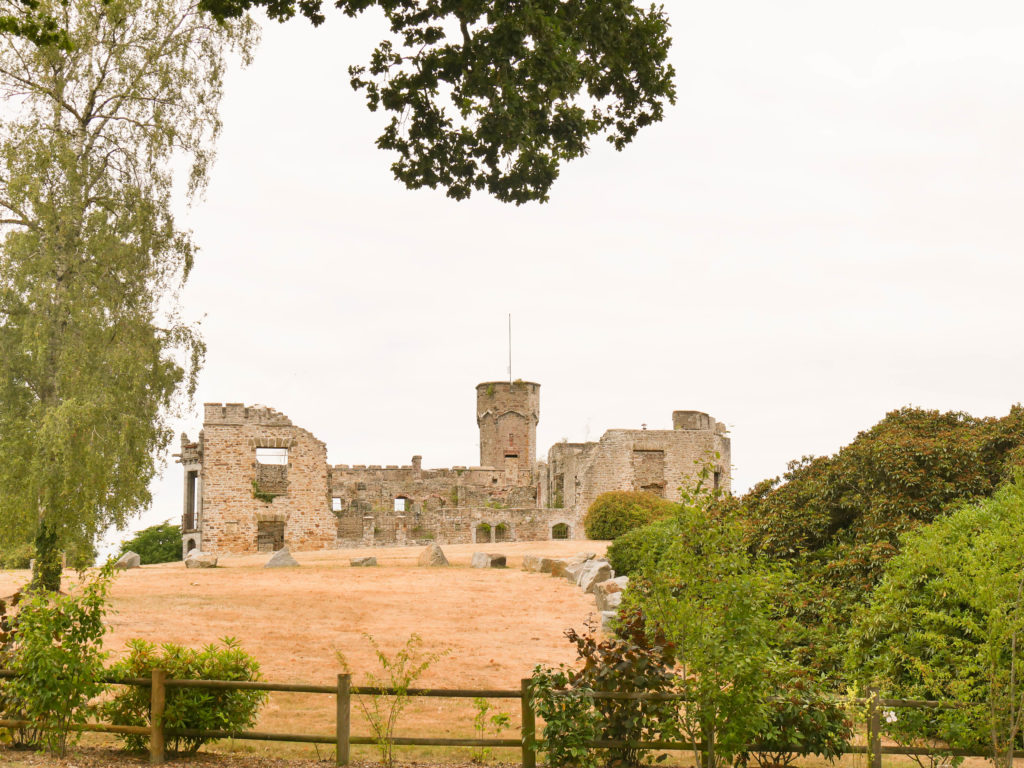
{"type": "Point", "coordinates": [827, 226]}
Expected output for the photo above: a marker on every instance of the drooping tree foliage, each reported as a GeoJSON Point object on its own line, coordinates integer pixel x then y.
{"type": "Point", "coordinates": [837, 520]}
{"type": "Point", "coordinates": [496, 94]}
{"type": "Point", "coordinates": [92, 350]}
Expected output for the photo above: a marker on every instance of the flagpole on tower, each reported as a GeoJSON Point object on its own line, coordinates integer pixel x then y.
{"type": "Point", "coordinates": [510, 349]}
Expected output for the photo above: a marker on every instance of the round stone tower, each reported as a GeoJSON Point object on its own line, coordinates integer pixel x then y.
{"type": "Point", "coordinates": [507, 415]}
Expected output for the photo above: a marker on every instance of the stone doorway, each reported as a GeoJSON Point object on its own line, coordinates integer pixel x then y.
{"type": "Point", "coordinates": [269, 535]}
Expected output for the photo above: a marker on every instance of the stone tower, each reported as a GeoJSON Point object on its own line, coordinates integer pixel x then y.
{"type": "Point", "coordinates": [507, 414]}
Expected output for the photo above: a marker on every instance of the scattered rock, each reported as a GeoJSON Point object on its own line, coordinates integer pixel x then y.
{"type": "Point", "coordinates": [532, 563]}
{"type": "Point", "coordinates": [433, 555]}
{"type": "Point", "coordinates": [594, 573]}
{"type": "Point", "coordinates": [282, 559]}
{"type": "Point", "coordinates": [487, 560]}
{"type": "Point", "coordinates": [608, 595]}
{"type": "Point", "coordinates": [197, 559]}
{"type": "Point", "coordinates": [363, 562]}
{"type": "Point", "coordinates": [545, 565]}
{"type": "Point", "coordinates": [127, 561]}
{"type": "Point", "coordinates": [574, 570]}
{"type": "Point", "coordinates": [558, 567]}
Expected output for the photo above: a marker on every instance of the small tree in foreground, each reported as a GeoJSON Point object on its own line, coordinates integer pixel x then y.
{"type": "Point", "coordinates": [54, 645]}
{"type": "Point", "coordinates": [397, 672]}
{"type": "Point", "coordinates": [708, 597]}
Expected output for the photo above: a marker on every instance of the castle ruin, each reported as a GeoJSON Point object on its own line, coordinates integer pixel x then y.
{"type": "Point", "coordinates": [255, 482]}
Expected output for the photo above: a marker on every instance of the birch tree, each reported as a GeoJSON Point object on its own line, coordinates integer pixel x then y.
{"type": "Point", "coordinates": [94, 356]}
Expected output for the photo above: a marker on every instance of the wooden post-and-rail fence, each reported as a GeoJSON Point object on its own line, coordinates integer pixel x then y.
{"type": "Point", "coordinates": [342, 738]}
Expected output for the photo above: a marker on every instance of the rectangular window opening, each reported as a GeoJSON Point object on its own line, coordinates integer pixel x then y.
{"type": "Point", "coordinates": [336, 504]}
{"type": "Point", "coordinates": [271, 455]}
{"type": "Point", "coordinates": [400, 504]}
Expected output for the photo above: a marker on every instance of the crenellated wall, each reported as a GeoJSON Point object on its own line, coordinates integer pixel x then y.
{"type": "Point", "coordinates": [255, 481]}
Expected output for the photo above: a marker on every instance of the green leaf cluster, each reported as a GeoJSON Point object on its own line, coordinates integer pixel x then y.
{"type": "Point", "coordinates": [156, 544]}
{"type": "Point", "coordinates": [947, 622]}
{"type": "Point", "coordinates": [838, 520]}
{"type": "Point", "coordinates": [194, 708]}
{"type": "Point", "coordinates": [495, 95]}
{"type": "Point", "coordinates": [54, 645]}
{"type": "Point", "coordinates": [626, 553]}
{"type": "Point", "coordinates": [614, 513]}
{"type": "Point", "coordinates": [710, 598]}
{"type": "Point", "coordinates": [803, 718]}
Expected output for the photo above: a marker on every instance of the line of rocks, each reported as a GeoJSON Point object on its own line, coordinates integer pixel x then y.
{"type": "Point", "coordinates": [590, 573]}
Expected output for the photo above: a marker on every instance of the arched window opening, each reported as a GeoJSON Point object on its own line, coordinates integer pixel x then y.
{"type": "Point", "coordinates": [560, 531]}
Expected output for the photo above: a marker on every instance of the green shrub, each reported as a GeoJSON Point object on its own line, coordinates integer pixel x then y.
{"type": "Point", "coordinates": [54, 646]}
{"type": "Point", "coordinates": [803, 720]}
{"type": "Point", "coordinates": [201, 708]}
{"type": "Point", "coordinates": [156, 544]}
{"type": "Point", "coordinates": [616, 512]}
{"type": "Point", "coordinates": [625, 553]}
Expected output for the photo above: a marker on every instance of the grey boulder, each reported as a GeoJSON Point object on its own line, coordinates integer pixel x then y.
{"type": "Point", "coordinates": [595, 572]}
{"type": "Point", "coordinates": [282, 559]}
{"type": "Point", "coordinates": [197, 559]}
{"type": "Point", "coordinates": [532, 563]}
{"type": "Point", "coordinates": [432, 556]}
{"type": "Point", "coordinates": [128, 561]}
{"type": "Point", "coordinates": [487, 560]}
{"type": "Point", "coordinates": [363, 562]}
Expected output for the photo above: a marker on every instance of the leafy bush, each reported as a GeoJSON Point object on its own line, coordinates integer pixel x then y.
{"type": "Point", "coordinates": [156, 544]}
{"type": "Point", "coordinates": [625, 553]}
{"type": "Point", "coordinates": [54, 646]}
{"type": "Point", "coordinates": [947, 622]}
{"type": "Point", "coordinates": [802, 720]}
{"type": "Point", "coordinates": [202, 708]}
{"type": "Point", "coordinates": [616, 512]}
{"type": "Point", "coordinates": [710, 598]}
{"type": "Point", "coordinates": [570, 720]}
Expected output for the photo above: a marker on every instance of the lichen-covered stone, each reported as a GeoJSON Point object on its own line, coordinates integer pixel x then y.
{"type": "Point", "coordinates": [363, 562]}
{"type": "Point", "coordinates": [197, 559]}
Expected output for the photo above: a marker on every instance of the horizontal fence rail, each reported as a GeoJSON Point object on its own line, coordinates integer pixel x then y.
{"type": "Point", "coordinates": [342, 738]}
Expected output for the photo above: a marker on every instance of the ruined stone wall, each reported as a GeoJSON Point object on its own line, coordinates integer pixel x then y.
{"type": "Point", "coordinates": [231, 513]}
{"type": "Point", "coordinates": [453, 525]}
{"type": "Point", "coordinates": [657, 461]}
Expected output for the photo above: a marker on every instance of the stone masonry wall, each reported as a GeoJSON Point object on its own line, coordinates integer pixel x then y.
{"type": "Point", "coordinates": [231, 435]}
{"type": "Point", "coordinates": [507, 415]}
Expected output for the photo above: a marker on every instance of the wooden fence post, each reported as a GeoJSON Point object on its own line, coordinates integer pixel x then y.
{"type": "Point", "coordinates": [343, 719]}
{"type": "Point", "coordinates": [157, 700]}
{"type": "Point", "coordinates": [529, 727]}
{"type": "Point", "coordinates": [874, 729]}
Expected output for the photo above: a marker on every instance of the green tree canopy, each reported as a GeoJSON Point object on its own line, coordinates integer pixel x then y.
{"type": "Point", "coordinates": [496, 94]}
{"type": "Point", "coordinates": [92, 350]}
{"type": "Point", "coordinates": [947, 623]}
{"type": "Point", "coordinates": [156, 544]}
{"type": "Point", "coordinates": [838, 519]}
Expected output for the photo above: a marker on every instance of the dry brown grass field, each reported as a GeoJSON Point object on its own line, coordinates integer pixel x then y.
{"type": "Point", "coordinates": [495, 626]}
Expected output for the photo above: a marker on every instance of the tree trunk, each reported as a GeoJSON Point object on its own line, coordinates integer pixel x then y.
{"type": "Point", "coordinates": [47, 572]}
